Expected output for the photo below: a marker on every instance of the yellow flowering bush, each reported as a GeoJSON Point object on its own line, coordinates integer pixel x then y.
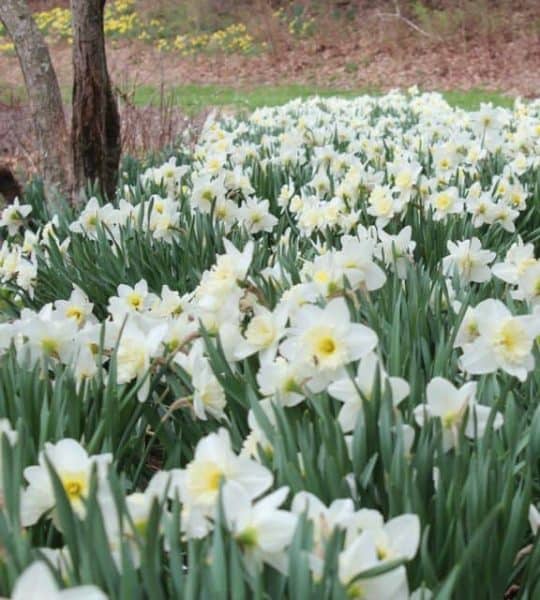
{"type": "Point", "coordinates": [298, 22]}
{"type": "Point", "coordinates": [232, 39]}
{"type": "Point", "coordinates": [122, 20]}
{"type": "Point", "coordinates": [55, 23]}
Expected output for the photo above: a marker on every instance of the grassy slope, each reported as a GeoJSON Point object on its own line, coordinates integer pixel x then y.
{"type": "Point", "coordinates": [194, 98]}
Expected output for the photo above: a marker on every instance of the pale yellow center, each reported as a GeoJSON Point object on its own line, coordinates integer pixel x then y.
{"type": "Point", "coordinates": [49, 346]}
{"type": "Point", "coordinates": [74, 312]}
{"type": "Point", "coordinates": [326, 346]}
{"type": "Point", "coordinates": [451, 419]}
{"type": "Point", "coordinates": [75, 486]}
{"type": "Point", "coordinates": [321, 277]}
{"type": "Point", "coordinates": [204, 478]}
{"type": "Point", "coordinates": [443, 201]}
{"type": "Point", "coordinates": [512, 342]}
{"type": "Point", "coordinates": [356, 591]}
{"type": "Point", "coordinates": [404, 180]}
{"type": "Point", "coordinates": [260, 332]}
{"type": "Point", "coordinates": [135, 300]}
{"type": "Point", "coordinates": [444, 163]}
{"type": "Point", "coordinates": [248, 537]}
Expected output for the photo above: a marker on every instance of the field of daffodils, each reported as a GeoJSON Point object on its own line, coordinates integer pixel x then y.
{"type": "Point", "coordinates": [298, 359]}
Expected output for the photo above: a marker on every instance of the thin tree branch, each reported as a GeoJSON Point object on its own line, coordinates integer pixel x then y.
{"type": "Point", "coordinates": [398, 15]}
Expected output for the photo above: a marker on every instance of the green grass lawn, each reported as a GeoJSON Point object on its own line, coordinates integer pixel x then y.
{"type": "Point", "coordinates": [196, 98]}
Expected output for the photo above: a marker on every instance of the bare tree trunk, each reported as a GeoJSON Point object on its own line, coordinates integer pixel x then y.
{"type": "Point", "coordinates": [95, 131]}
{"type": "Point", "coordinates": [44, 95]}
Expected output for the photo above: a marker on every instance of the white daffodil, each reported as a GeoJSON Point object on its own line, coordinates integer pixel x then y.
{"type": "Point", "coordinates": [234, 262]}
{"type": "Point", "coordinates": [339, 514]}
{"type": "Point", "coordinates": [320, 183]}
{"type": "Point", "coordinates": [325, 274]}
{"type": "Point", "coordinates": [219, 312]}
{"type": "Point", "coordinates": [445, 203]}
{"type": "Point", "coordinates": [169, 304]}
{"type": "Point", "coordinates": [122, 528]}
{"type": "Point", "coordinates": [169, 175]}
{"type": "Point", "coordinates": [47, 336]}
{"type": "Point", "coordinates": [74, 468]}
{"type": "Point", "coordinates": [84, 365]}
{"type": "Point", "coordinates": [482, 208]}
{"type": "Point", "coordinates": [27, 272]}
{"type": "Point", "coordinates": [397, 538]}
{"type": "Point", "coordinates": [263, 333]}
{"type": "Point", "coordinates": [361, 556]}
{"type": "Point", "coordinates": [283, 381]}
{"type": "Point", "coordinates": [396, 250]}
{"type": "Point", "coordinates": [221, 281]}
{"type": "Point", "coordinates": [195, 520]}
{"type": "Point", "coordinates": [257, 438]}
{"type": "Point", "coordinates": [468, 330]}
{"type": "Point", "coordinates": [356, 260]}
{"type": "Point", "coordinates": [140, 341]}
{"type": "Point", "coordinates": [13, 216]}
{"type": "Point", "coordinates": [164, 220]}
{"type": "Point", "coordinates": [237, 179]}
{"type": "Point", "coordinates": [88, 220]}
{"type": "Point", "coordinates": [444, 160]}
{"type": "Point", "coordinates": [350, 391]}
{"type": "Point", "coordinates": [504, 341]}
{"type": "Point", "coordinates": [208, 394]}
{"type": "Point", "coordinates": [520, 164]}
{"type": "Point", "coordinates": [405, 174]}
{"type": "Point", "coordinates": [78, 307]}
{"type": "Point", "coordinates": [262, 529]}
{"type": "Point", "coordinates": [227, 213]}
{"type": "Point", "coordinates": [38, 583]}
{"type": "Point", "coordinates": [450, 404]}
{"type": "Point", "coordinates": [215, 463]}
{"type": "Point", "coordinates": [326, 340]}
{"type": "Point", "coordinates": [255, 216]}
{"type": "Point", "coordinates": [131, 300]}
{"type": "Point", "coordinates": [383, 205]}
{"type": "Point", "coordinates": [181, 331]}
{"type": "Point", "coordinates": [505, 216]}
{"type": "Point", "coordinates": [206, 190]}
{"type": "Point", "coordinates": [488, 118]}
{"type": "Point", "coordinates": [468, 260]}
{"type": "Point", "coordinates": [297, 296]}
{"type": "Point", "coordinates": [529, 286]}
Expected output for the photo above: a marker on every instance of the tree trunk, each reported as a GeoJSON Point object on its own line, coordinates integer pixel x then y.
{"type": "Point", "coordinates": [9, 186]}
{"type": "Point", "coordinates": [95, 132]}
{"type": "Point", "coordinates": [44, 96]}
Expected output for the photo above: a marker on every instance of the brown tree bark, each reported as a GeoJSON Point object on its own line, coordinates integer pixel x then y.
{"type": "Point", "coordinates": [44, 96]}
{"type": "Point", "coordinates": [95, 132]}
{"type": "Point", "coordinates": [9, 186]}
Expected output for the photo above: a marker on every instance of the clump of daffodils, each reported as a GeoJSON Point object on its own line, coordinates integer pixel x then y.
{"type": "Point", "coordinates": [288, 340]}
